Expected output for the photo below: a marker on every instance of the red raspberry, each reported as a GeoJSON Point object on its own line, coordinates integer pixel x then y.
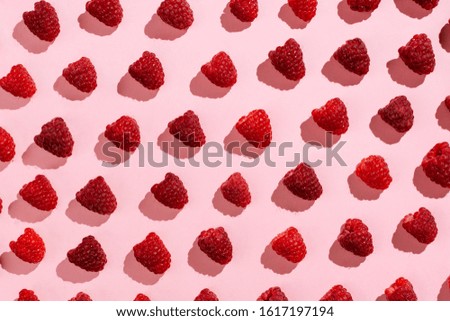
{"type": "Point", "coordinates": [220, 70]}
{"type": "Point", "coordinates": [55, 138]}
{"type": "Point", "coordinates": [289, 244]}
{"type": "Point", "coordinates": [244, 10]}
{"type": "Point", "coordinates": [256, 128]}
{"type": "Point", "coordinates": [374, 171]}
{"type": "Point", "coordinates": [148, 71]}
{"type": "Point", "coordinates": [171, 192]}
{"type": "Point", "coordinates": [356, 238]}
{"type": "Point", "coordinates": [235, 190]}
{"type": "Point", "coordinates": [153, 254]}
{"type": "Point", "coordinates": [288, 60]}
{"type": "Point", "coordinates": [97, 197]}
{"type": "Point", "coordinates": [273, 294]}
{"type": "Point", "coordinates": [206, 295]}
{"type": "Point", "coordinates": [18, 82]}
{"type": "Point", "coordinates": [40, 194]}
{"type": "Point", "coordinates": [43, 21]}
{"type": "Point", "coordinates": [82, 75]}
{"type": "Point", "coordinates": [7, 146]}
{"type": "Point", "coordinates": [436, 164]}
{"type": "Point", "coordinates": [304, 9]}
{"type": "Point", "coordinates": [188, 130]}
{"type": "Point", "coordinates": [303, 182]}
{"type": "Point", "coordinates": [1, 205]}
{"type": "Point", "coordinates": [418, 54]}
{"type": "Point", "coordinates": [398, 113]}
{"type": "Point", "coordinates": [215, 243]}
{"type": "Point", "coordinates": [337, 293]}
{"type": "Point", "coordinates": [427, 4]}
{"type": "Point", "coordinates": [81, 296]}
{"type": "Point", "coordinates": [88, 255]}
{"type": "Point", "coordinates": [27, 295]}
{"type": "Point", "coordinates": [363, 5]}
{"type": "Point", "coordinates": [176, 13]}
{"type": "Point", "coordinates": [332, 117]}
{"type": "Point", "coordinates": [421, 225]}
{"type": "Point", "coordinates": [447, 102]}
{"type": "Point", "coordinates": [401, 290]}
{"type": "Point", "coordinates": [124, 133]}
{"type": "Point", "coordinates": [141, 297]}
{"type": "Point", "coordinates": [29, 247]}
{"type": "Point", "coordinates": [353, 56]}
{"type": "Point", "coordinates": [109, 12]}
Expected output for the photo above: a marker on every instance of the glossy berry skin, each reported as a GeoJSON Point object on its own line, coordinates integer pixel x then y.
{"type": "Point", "coordinates": [27, 295]}
{"type": "Point", "coordinates": [304, 9]}
{"type": "Point", "coordinates": [273, 294]}
{"type": "Point", "coordinates": [418, 54]}
{"type": "Point", "coordinates": [43, 21]}
{"type": "Point", "coordinates": [356, 238]}
{"type": "Point", "coordinates": [421, 225]}
{"type": "Point", "coordinates": [81, 74]}
{"type": "Point", "coordinates": [171, 192]}
{"type": "Point", "coordinates": [363, 5]}
{"type": "Point", "coordinates": [188, 130]}
{"type": "Point", "coordinates": [7, 146]}
{"type": "Point", "coordinates": [235, 190]}
{"type": "Point", "coordinates": [427, 4]}
{"type": "Point", "coordinates": [401, 290]}
{"type": "Point", "coordinates": [374, 171]}
{"type": "Point", "coordinates": [353, 56]}
{"type": "Point", "coordinates": [337, 293]}
{"type": "Point", "coordinates": [141, 297]}
{"type": "Point", "coordinates": [215, 243]}
{"type": "Point", "coordinates": [148, 71]}
{"type": "Point", "coordinates": [244, 10]}
{"type": "Point", "coordinates": [290, 245]}
{"type": "Point", "coordinates": [97, 197]}
{"type": "Point", "coordinates": [176, 13]}
{"type": "Point", "coordinates": [18, 82]}
{"type": "Point", "coordinates": [153, 254]}
{"type": "Point", "coordinates": [206, 295]}
{"type": "Point", "coordinates": [55, 138]}
{"type": "Point", "coordinates": [288, 60]}
{"type": "Point", "coordinates": [398, 114]}
{"type": "Point", "coordinates": [220, 70]}
{"type": "Point", "coordinates": [88, 255]}
{"type": "Point", "coordinates": [256, 128]}
{"type": "Point", "coordinates": [436, 164]}
{"type": "Point", "coordinates": [447, 102]}
{"type": "Point", "coordinates": [29, 247]}
{"type": "Point", "coordinates": [124, 133]}
{"type": "Point", "coordinates": [332, 117]}
{"type": "Point", "coordinates": [40, 194]}
{"type": "Point", "coordinates": [81, 296]}
{"type": "Point", "coordinates": [302, 181]}
{"type": "Point", "coordinates": [109, 12]}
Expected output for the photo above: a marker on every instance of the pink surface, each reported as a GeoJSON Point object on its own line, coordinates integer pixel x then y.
{"type": "Point", "coordinates": [254, 268]}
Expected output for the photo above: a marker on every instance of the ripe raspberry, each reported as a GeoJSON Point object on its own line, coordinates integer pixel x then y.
{"type": "Point", "coordinates": [356, 238]}
{"type": "Point", "coordinates": [418, 54]}
{"type": "Point", "coordinates": [244, 10]}
{"type": "Point", "coordinates": [398, 113]}
{"type": "Point", "coordinates": [27, 295]}
{"type": "Point", "coordinates": [29, 247]}
{"type": "Point", "coordinates": [40, 194]}
{"type": "Point", "coordinates": [153, 254]}
{"type": "Point", "coordinates": [421, 225]}
{"type": "Point", "coordinates": [374, 171]}
{"type": "Point", "coordinates": [109, 12]}
{"type": "Point", "coordinates": [447, 102]}
{"type": "Point", "coordinates": [337, 293]}
{"type": "Point", "coordinates": [81, 296]}
{"type": "Point", "coordinates": [97, 197]}
{"type": "Point", "coordinates": [427, 4]}
{"type": "Point", "coordinates": [332, 117]}
{"type": "Point", "coordinates": [7, 146]}
{"type": "Point", "coordinates": [148, 71]}
{"type": "Point", "coordinates": [401, 290]}
{"type": "Point", "coordinates": [88, 255]}
{"type": "Point", "coordinates": [288, 60]}
{"type": "Point", "coordinates": [55, 138]}
{"type": "Point", "coordinates": [141, 297]}
{"type": "Point", "coordinates": [215, 243]}
{"type": "Point", "coordinates": [206, 295]}
{"type": "Point", "coordinates": [235, 190]}
{"type": "Point", "coordinates": [256, 128]}
{"type": "Point", "coordinates": [188, 130]}
{"type": "Point", "coordinates": [18, 82]}
{"type": "Point", "coordinates": [436, 164]}
{"type": "Point", "coordinates": [353, 56]}
{"type": "Point", "coordinates": [304, 9]}
{"type": "Point", "coordinates": [289, 244]}
{"type": "Point", "coordinates": [273, 294]}
{"type": "Point", "coordinates": [43, 21]}
{"type": "Point", "coordinates": [171, 192]}
{"type": "Point", "coordinates": [124, 133]}
{"type": "Point", "coordinates": [176, 13]}
{"type": "Point", "coordinates": [220, 70]}
{"type": "Point", "coordinates": [363, 5]}
{"type": "Point", "coordinates": [81, 74]}
{"type": "Point", "coordinates": [303, 182]}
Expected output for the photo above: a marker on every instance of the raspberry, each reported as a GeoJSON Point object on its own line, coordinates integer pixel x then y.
{"type": "Point", "coordinates": [447, 102]}
{"type": "Point", "coordinates": [244, 10]}
{"type": "Point", "coordinates": [7, 146]}
{"type": "Point", "coordinates": [141, 297]}
{"type": "Point", "coordinates": [421, 225]}
{"type": "Point", "coordinates": [88, 255]}
{"type": "Point", "coordinates": [401, 290]}
{"type": "Point", "coordinates": [356, 238]}
{"type": "Point", "coordinates": [18, 82]}
{"type": "Point", "coordinates": [289, 244]}
{"type": "Point", "coordinates": [81, 296]}
{"type": "Point", "coordinates": [215, 243]}
{"type": "Point", "coordinates": [353, 56]}
{"type": "Point", "coordinates": [303, 182]}
{"type": "Point", "coordinates": [418, 54]}
{"type": "Point", "coordinates": [288, 60]}
{"type": "Point", "coordinates": [43, 21]}
{"type": "Point", "coordinates": [436, 164]}
{"type": "Point", "coordinates": [206, 295]}
{"type": "Point", "coordinates": [363, 5]}
{"type": "Point", "coordinates": [171, 192]}
{"type": "Point", "coordinates": [148, 71]}
{"type": "Point", "coordinates": [187, 129]}
{"type": "Point", "coordinates": [427, 4]}
{"type": "Point", "coordinates": [337, 293]}
{"type": "Point", "coordinates": [398, 113]}
{"type": "Point", "coordinates": [29, 247]}
{"type": "Point", "coordinates": [374, 171]}
{"type": "Point", "coordinates": [273, 294]}
{"type": "Point", "coordinates": [220, 70]}
{"type": "Point", "coordinates": [40, 194]}
{"type": "Point", "coordinates": [256, 128]}
{"type": "Point", "coordinates": [109, 12]}
{"type": "Point", "coordinates": [304, 9]}
{"type": "Point", "coordinates": [97, 197]}
{"type": "Point", "coordinates": [332, 117]}
{"type": "Point", "coordinates": [124, 133]}
{"type": "Point", "coordinates": [55, 138]}
{"type": "Point", "coordinates": [82, 75]}
{"type": "Point", "coordinates": [1, 205]}
{"type": "Point", "coordinates": [27, 295]}
{"type": "Point", "coordinates": [153, 254]}
{"type": "Point", "coordinates": [235, 190]}
{"type": "Point", "coordinates": [176, 13]}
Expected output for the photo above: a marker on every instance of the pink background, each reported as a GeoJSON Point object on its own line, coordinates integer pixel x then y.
{"type": "Point", "coordinates": [253, 268]}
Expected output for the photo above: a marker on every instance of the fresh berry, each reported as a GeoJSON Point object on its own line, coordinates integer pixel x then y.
{"type": "Point", "coordinates": [220, 70]}
{"type": "Point", "coordinates": [82, 75]}
{"type": "Point", "coordinates": [235, 190]}
{"type": "Point", "coordinates": [302, 181]}
{"type": "Point", "coordinates": [124, 133]}
{"type": "Point", "coordinates": [436, 164]}
{"type": "Point", "coordinates": [88, 255]}
{"type": "Point", "coordinates": [97, 197]}
{"type": "Point", "coordinates": [398, 113]}
{"type": "Point", "coordinates": [356, 238]}
{"type": "Point", "coordinates": [256, 128]}
{"type": "Point", "coordinates": [141, 297]}
{"type": "Point", "coordinates": [55, 138]}
{"type": "Point", "coordinates": [401, 290]}
{"type": "Point", "coordinates": [273, 294]}
{"type": "Point", "coordinates": [171, 192]}
{"type": "Point", "coordinates": [29, 247]}
{"type": "Point", "coordinates": [188, 130]}
{"type": "Point", "coordinates": [43, 21]}
{"type": "Point", "coordinates": [337, 293]}
{"type": "Point", "coordinates": [153, 254]}
{"type": "Point", "coordinates": [39, 193]}
{"type": "Point", "coordinates": [1, 205]}
{"type": "Point", "coordinates": [206, 295]}
{"type": "Point", "coordinates": [421, 225]}
{"type": "Point", "coordinates": [215, 243]}
{"type": "Point", "coordinates": [363, 5]}
{"type": "Point", "coordinates": [18, 82]}
{"type": "Point", "coordinates": [81, 296]}
{"type": "Point", "coordinates": [109, 12]}
{"type": "Point", "coordinates": [427, 4]}
{"type": "Point", "coordinates": [353, 56]}
{"type": "Point", "coordinates": [418, 54]}
{"type": "Point", "coordinates": [176, 13]}
{"type": "Point", "coordinates": [374, 171]}
{"type": "Point", "coordinates": [244, 10]}
{"type": "Point", "coordinates": [447, 102]}
{"type": "Point", "coordinates": [288, 60]}
{"type": "Point", "coordinates": [7, 146]}
{"type": "Point", "coordinates": [304, 9]}
{"type": "Point", "coordinates": [27, 295]}
{"type": "Point", "coordinates": [148, 71]}
{"type": "Point", "coordinates": [289, 244]}
{"type": "Point", "coordinates": [332, 117]}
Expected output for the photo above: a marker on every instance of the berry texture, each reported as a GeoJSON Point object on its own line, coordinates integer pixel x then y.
{"type": "Point", "coordinates": [124, 133]}
{"type": "Point", "coordinates": [81, 74]}
{"type": "Point", "coordinates": [337, 293]}
{"type": "Point", "coordinates": [27, 295]}
{"type": "Point", "coordinates": [40, 194]}
{"type": "Point", "coordinates": [171, 192]}
{"type": "Point", "coordinates": [256, 128]}
{"type": "Point", "coordinates": [244, 10]}
{"type": "Point", "coordinates": [97, 197]}
{"type": "Point", "coordinates": [447, 102]}
{"type": "Point", "coordinates": [353, 56]}
{"type": "Point", "coordinates": [273, 294]}
{"type": "Point", "coordinates": [81, 296]}
{"type": "Point", "coordinates": [220, 70]}
{"type": "Point", "coordinates": [29, 247]}
{"type": "Point", "coordinates": [436, 164]}
{"type": "Point", "coordinates": [289, 244]}
{"type": "Point", "coordinates": [374, 171]}
{"type": "Point", "coordinates": [176, 13]}
{"type": "Point", "coordinates": [356, 238]}
{"type": "Point", "coordinates": [418, 54]}
{"type": "Point", "coordinates": [288, 60]}
{"type": "Point", "coordinates": [235, 190]}
{"type": "Point", "coordinates": [141, 297]}
{"type": "Point", "coordinates": [398, 114]}
{"type": "Point", "coordinates": [206, 295]}
{"type": "Point", "coordinates": [88, 255]}
{"type": "Point", "coordinates": [332, 117]}
{"type": "Point", "coordinates": [427, 4]}
{"type": "Point", "coordinates": [421, 225]}
{"type": "Point", "coordinates": [148, 71]}
{"type": "Point", "coordinates": [55, 138]}
{"type": "Point", "coordinates": [153, 254]}
{"type": "Point", "coordinates": [363, 5]}
{"type": "Point", "coordinates": [303, 182]}
{"type": "Point", "coordinates": [43, 21]}
{"type": "Point", "coordinates": [215, 243]}
{"type": "Point", "coordinates": [188, 130]}
{"type": "Point", "coordinates": [401, 290]}
{"type": "Point", "coordinates": [18, 82]}
{"type": "Point", "coordinates": [7, 146]}
{"type": "Point", "coordinates": [109, 12]}
{"type": "Point", "coordinates": [304, 9]}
